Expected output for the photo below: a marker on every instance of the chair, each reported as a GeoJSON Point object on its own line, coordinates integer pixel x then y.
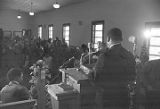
{"type": "Point", "coordinates": [26, 104]}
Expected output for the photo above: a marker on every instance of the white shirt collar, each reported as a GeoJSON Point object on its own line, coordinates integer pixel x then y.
{"type": "Point", "coordinates": [113, 45]}
{"type": "Point", "coordinates": [14, 82]}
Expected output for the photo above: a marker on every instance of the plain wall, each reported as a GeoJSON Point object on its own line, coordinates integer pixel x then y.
{"type": "Point", "coordinates": [9, 21]}
{"type": "Point", "coordinates": [129, 15]}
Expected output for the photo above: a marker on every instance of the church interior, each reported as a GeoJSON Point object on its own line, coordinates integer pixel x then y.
{"type": "Point", "coordinates": [63, 50]}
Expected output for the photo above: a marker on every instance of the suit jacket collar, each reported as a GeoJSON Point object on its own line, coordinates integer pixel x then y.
{"type": "Point", "coordinates": [14, 82]}
{"type": "Point", "coordinates": [115, 46]}
{"type": "Point", "coordinates": [115, 50]}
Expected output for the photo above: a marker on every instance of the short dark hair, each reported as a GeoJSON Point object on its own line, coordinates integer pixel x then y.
{"type": "Point", "coordinates": [84, 47]}
{"type": "Point", "coordinates": [115, 34]}
{"type": "Point", "coordinates": [13, 73]}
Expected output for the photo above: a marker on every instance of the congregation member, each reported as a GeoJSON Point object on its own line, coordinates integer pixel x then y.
{"type": "Point", "coordinates": [151, 75]}
{"type": "Point", "coordinates": [114, 69]}
{"type": "Point", "coordinates": [14, 91]}
{"type": "Point", "coordinates": [151, 83]}
{"type": "Point", "coordinates": [85, 51]}
{"type": "Point", "coordinates": [102, 47]}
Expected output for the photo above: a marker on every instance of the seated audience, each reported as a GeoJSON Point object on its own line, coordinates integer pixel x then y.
{"type": "Point", "coordinates": [151, 76]}
{"type": "Point", "coordinates": [150, 88]}
{"type": "Point", "coordinates": [14, 91]}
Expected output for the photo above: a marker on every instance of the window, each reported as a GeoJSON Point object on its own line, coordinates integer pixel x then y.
{"type": "Point", "coordinates": [23, 32]}
{"type": "Point", "coordinates": [66, 32]}
{"type": "Point", "coordinates": [40, 31]}
{"type": "Point", "coordinates": [50, 31]}
{"type": "Point", "coordinates": [97, 33]}
{"type": "Point", "coordinates": [154, 45]}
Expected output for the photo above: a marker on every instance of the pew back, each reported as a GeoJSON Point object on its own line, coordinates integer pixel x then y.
{"type": "Point", "coordinates": [26, 104]}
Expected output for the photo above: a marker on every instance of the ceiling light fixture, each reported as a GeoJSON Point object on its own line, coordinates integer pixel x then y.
{"type": "Point", "coordinates": [31, 13]}
{"type": "Point", "coordinates": [19, 16]}
{"type": "Point", "coordinates": [56, 5]}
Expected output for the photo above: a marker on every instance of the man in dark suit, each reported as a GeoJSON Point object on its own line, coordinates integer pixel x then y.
{"type": "Point", "coordinates": [14, 91]}
{"type": "Point", "coordinates": [114, 69]}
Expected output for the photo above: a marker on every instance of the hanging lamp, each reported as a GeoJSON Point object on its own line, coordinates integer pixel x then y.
{"type": "Point", "coordinates": [31, 13]}
{"type": "Point", "coordinates": [19, 16]}
{"type": "Point", "coordinates": [56, 5]}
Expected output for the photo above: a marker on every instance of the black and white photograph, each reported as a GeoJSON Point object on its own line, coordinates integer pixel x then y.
{"type": "Point", "coordinates": [79, 54]}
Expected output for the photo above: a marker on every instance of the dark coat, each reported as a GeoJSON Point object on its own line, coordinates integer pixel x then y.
{"type": "Point", "coordinates": [151, 74]}
{"type": "Point", "coordinates": [14, 92]}
{"type": "Point", "coordinates": [114, 70]}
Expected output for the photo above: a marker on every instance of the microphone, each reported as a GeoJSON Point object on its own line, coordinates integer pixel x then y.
{"type": "Point", "coordinates": [66, 63]}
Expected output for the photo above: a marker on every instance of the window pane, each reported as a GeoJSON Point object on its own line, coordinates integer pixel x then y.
{"type": "Point", "coordinates": [98, 39]}
{"type": "Point", "coordinates": [66, 28]}
{"type": "Point", "coordinates": [66, 33]}
{"type": "Point", "coordinates": [93, 27]}
{"type": "Point", "coordinates": [67, 38]}
{"type": "Point", "coordinates": [50, 36]}
{"type": "Point", "coordinates": [67, 42]}
{"type": "Point", "coordinates": [40, 32]}
{"type": "Point", "coordinates": [50, 29]}
{"type": "Point", "coordinates": [98, 34]}
{"type": "Point", "coordinates": [40, 29]}
{"type": "Point", "coordinates": [155, 31]}
{"type": "Point", "coordinates": [154, 50]}
{"type": "Point", "coordinates": [154, 57]}
{"type": "Point", "coordinates": [99, 27]}
{"type": "Point", "coordinates": [96, 45]}
{"type": "Point", "coordinates": [155, 41]}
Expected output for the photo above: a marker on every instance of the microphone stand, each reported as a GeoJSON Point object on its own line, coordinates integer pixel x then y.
{"type": "Point", "coordinates": [66, 63]}
{"type": "Point", "coordinates": [89, 46]}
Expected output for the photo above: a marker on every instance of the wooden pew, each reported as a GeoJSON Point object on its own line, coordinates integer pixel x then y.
{"type": "Point", "coordinates": [26, 104]}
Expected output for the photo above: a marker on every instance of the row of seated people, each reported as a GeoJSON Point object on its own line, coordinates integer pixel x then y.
{"type": "Point", "coordinates": [15, 95]}
{"type": "Point", "coordinates": [14, 91]}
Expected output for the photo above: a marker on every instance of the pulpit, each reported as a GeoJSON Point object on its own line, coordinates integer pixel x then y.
{"type": "Point", "coordinates": [63, 96]}
{"type": "Point", "coordinates": [80, 81]}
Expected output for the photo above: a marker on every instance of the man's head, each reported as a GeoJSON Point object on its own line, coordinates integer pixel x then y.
{"type": "Point", "coordinates": [115, 35]}
{"type": "Point", "coordinates": [84, 48]}
{"type": "Point", "coordinates": [15, 74]}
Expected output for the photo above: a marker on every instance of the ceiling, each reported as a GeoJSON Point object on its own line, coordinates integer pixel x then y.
{"type": "Point", "coordinates": [37, 5]}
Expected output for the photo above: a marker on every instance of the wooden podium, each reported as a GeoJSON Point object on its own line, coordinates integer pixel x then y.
{"type": "Point", "coordinates": [80, 81]}
{"type": "Point", "coordinates": [63, 96]}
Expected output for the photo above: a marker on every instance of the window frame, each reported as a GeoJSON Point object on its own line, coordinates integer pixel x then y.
{"type": "Point", "coordinates": [93, 31]}
{"type": "Point", "coordinates": [51, 25]}
{"type": "Point", "coordinates": [64, 25]}
{"type": "Point", "coordinates": [149, 47]}
{"type": "Point", "coordinates": [41, 32]}
{"type": "Point", "coordinates": [149, 26]}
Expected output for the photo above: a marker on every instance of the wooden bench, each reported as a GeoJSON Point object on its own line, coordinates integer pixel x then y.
{"type": "Point", "coordinates": [26, 104]}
